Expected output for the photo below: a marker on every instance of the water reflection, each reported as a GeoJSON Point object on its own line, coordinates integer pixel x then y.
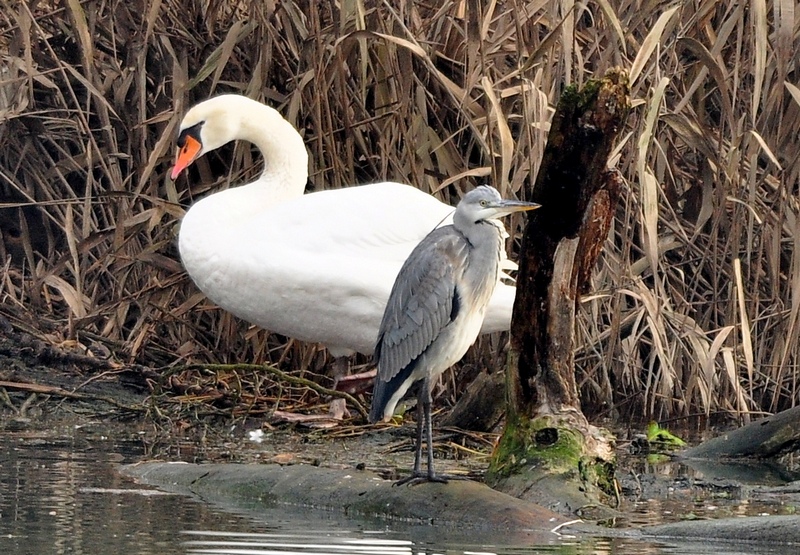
{"type": "Point", "coordinates": [333, 543]}
{"type": "Point", "coordinates": [60, 492]}
{"type": "Point", "coordinates": [673, 490]}
{"type": "Point", "coordinates": [292, 544]}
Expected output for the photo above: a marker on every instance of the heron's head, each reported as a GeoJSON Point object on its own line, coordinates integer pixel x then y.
{"type": "Point", "coordinates": [485, 203]}
{"type": "Point", "coordinates": [209, 125]}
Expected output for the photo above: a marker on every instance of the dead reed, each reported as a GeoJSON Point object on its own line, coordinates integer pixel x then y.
{"type": "Point", "coordinates": [696, 301]}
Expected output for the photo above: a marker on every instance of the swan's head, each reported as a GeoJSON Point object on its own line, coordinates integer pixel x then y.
{"type": "Point", "coordinates": [209, 125]}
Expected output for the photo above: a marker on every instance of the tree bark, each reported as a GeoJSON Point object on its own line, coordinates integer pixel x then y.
{"type": "Point", "coordinates": [546, 433]}
{"type": "Point", "coordinates": [562, 241]}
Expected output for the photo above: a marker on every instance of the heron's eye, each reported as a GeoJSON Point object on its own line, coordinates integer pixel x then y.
{"type": "Point", "coordinates": [484, 203]}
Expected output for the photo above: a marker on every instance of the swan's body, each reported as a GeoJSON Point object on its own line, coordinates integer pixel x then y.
{"type": "Point", "coordinates": [317, 267]}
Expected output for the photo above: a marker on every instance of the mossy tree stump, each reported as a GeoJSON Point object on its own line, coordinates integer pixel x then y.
{"type": "Point", "coordinates": [546, 434]}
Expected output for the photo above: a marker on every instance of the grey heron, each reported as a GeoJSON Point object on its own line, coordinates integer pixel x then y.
{"type": "Point", "coordinates": [436, 309]}
{"type": "Point", "coordinates": [316, 267]}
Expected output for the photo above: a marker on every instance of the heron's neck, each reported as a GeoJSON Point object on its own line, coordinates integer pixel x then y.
{"type": "Point", "coordinates": [486, 239]}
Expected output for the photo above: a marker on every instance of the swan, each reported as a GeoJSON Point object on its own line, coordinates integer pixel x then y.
{"type": "Point", "coordinates": [316, 267]}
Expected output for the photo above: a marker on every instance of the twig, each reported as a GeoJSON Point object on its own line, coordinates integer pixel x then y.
{"type": "Point", "coordinates": [564, 524]}
{"type": "Point", "coordinates": [473, 452]}
{"type": "Point", "coordinates": [283, 376]}
{"type": "Point", "coordinates": [7, 400]}
{"type": "Point", "coordinates": [59, 392]}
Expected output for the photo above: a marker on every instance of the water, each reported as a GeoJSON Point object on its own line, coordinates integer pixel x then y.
{"type": "Point", "coordinates": [60, 492]}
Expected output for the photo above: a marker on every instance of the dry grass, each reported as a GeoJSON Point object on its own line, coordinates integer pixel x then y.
{"type": "Point", "coordinates": [697, 295]}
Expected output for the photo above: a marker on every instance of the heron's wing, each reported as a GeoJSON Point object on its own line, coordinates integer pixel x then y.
{"type": "Point", "coordinates": [424, 299]}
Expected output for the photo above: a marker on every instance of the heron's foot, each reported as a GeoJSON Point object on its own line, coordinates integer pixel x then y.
{"type": "Point", "coordinates": [415, 479]}
{"type": "Point", "coordinates": [420, 478]}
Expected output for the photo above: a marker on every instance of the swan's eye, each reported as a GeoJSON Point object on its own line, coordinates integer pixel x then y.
{"type": "Point", "coordinates": [187, 136]}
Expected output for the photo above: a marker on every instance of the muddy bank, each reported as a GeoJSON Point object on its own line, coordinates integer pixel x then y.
{"type": "Point", "coordinates": [465, 504]}
{"type": "Point", "coordinates": [356, 493]}
{"type": "Point", "coordinates": [754, 530]}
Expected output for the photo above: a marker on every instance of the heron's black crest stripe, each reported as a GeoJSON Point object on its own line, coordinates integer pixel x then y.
{"type": "Point", "coordinates": [376, 355]}
{"type": "Point", "coordinates": [384, 391]}
{"type": "Point", "coordinates": [193, 132]}
{"type": "Point", "coordinates": [456, 308]}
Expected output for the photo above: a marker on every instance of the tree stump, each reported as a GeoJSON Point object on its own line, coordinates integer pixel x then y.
{"type": "Point", "coordinates": [546, 433]}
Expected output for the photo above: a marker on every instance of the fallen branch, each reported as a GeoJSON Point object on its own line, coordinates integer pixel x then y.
{"type": "Point", "coordinates": [765, 438]}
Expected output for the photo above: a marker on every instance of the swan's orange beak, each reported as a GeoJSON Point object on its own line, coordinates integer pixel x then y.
{"type": "Point", "coordinates": [186, 155]}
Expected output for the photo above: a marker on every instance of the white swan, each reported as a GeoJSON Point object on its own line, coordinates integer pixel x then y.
{"type": "Point", "coordinates": [317, 267]}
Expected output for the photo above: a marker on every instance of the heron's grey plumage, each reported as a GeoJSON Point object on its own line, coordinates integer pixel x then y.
{"type": "Point", "coordinates": [423, 303]}
{"type": "Point", "coordinates": [438, 303]}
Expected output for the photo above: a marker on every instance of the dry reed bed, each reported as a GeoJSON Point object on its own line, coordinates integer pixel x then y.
{"type": "Point", "coordinates": [697, 296]}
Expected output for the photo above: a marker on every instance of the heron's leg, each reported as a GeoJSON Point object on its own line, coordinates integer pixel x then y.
{"type": "Point", "coordinates": [423, 417]}
{"type": "Point", "coordinates": [424, 413]}
{"type": "Point", "coordinates": [418, 450]}
{"type": "Point", "coordinates": [417, 475]}
{"type": "Point", "coordinates": [425, 401]}
{"type": "Point", "coordinates": [425, 398]}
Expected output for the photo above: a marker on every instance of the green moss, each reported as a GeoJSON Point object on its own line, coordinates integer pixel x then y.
{"type": "Point", "coordinates": [577, 100]}
{"type": "Point", "coordinates": [571, 96]}
{"type": "Point", "coordinates": [539, 443]}
{"type": "Point", "coordinates": [588, 94]}
{"type": "Point", "coordinates": [599, 473]}
{"type": "Point", "coordinates": [661, 440]}
{"type": "Point", "coordinates": [546, 446]}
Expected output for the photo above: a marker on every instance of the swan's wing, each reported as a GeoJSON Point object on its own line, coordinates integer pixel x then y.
{"type": "Point", "coordinates": [382, 220]}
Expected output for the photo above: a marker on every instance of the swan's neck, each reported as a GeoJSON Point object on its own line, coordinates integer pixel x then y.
{"type": "Point", "coordinates": [285, 157]}
{"type": "Point", "coordinates": [284, 176]}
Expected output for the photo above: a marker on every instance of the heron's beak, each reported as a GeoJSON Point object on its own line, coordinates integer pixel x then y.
{"type": "Point", "coordinates": [508, 206]}
{"type": "Point", "coordinates": [186, 155]}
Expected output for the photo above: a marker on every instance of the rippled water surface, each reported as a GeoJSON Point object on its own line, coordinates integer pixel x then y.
{"type": "Point", "coordinates": [61, 492]}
